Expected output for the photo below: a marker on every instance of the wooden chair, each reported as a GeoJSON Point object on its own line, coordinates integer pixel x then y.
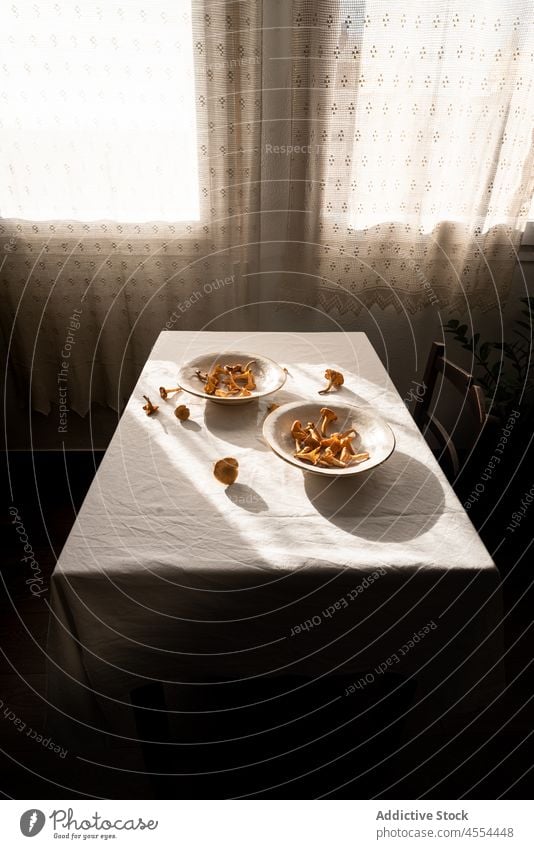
{"type": "Point", "coordinates": [473, 400]}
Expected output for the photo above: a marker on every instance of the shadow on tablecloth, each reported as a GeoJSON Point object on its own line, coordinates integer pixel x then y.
{"type": "Point", "coordinates": [397, 501]}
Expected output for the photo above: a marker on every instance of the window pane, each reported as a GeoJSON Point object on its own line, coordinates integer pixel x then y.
{"type": "Point", "coordinates": [98, 111]}
{"type": "Point", "coordinates": [437, 88]}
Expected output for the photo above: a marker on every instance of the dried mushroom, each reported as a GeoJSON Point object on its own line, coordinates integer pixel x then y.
{"type": "Point", "coordinates": [313, 438]}
{"type": "Point", "coordinates": [316, 446]}
{"type": "Point", "coordinates": [164, 393]}
{"type": "Point", "coordinates": [149, 407]}
{"type": "Point", "coordinates": [229, 380]}
{"type": "Point", "coordinates": [297, 431]}
{"type": "Point", "coordinates": [182, 412]}
{"type": "Point", "coordinates": [226, 470]}
{"type": "Point", "coordinates": [335, 380]}
{"type": "Point", "coordinates": [327, 416]}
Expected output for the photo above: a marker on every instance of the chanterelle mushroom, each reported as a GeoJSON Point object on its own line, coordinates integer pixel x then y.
{"type": "Point", "coordinates": [327, 417]}
{"type": "Point", "coordinates": [330, 460]}
{"type": "Point", "coordinates": [311, 441]}
{"type": "Point", "coordinates": [316, 446]}
{"type": "Point", "coordinates": [182, 412]}
{"type": "Point", "coordinates": [213, 379]}
{"type": "Point", "coordinates": [310, 456]}
{"type": "Point", "coordinates": [347, 434]}
{"type": "Point", "coordinates": [335, 380]}
{"type": "Point", "coordinates": [346, 454]}
{"type": "Point", "coordinates": [333, 444]}
{"type": "Point", "coordinates": [226, 470]}
{"type": "Point", "coordinates": [164, 393]}
{"type": "Point", "coordinates": [149, 407]}
{"type": "Point", "coordinates": [297, 431]}
{"type": "Point", "coordinates": [313, 434]}
{"type": "Point", "coordinates": [249, 377]}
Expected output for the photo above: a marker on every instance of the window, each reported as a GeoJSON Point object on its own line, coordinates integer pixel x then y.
{"type": "Point", "coordinates": [98, 111]}
{"type": "Point", "coordinates": [436, 111]}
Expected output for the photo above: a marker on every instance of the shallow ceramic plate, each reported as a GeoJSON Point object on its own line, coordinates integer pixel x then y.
{"type": "Point", "coordinates": [269, 376]}
{"type": "Point", "coordinates": [374, 434]}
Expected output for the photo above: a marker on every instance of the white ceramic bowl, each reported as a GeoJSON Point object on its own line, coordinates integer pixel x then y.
{"type": "Point", "coordinates": [268, 375]}
{"type": "Point", "coordinates": [374, 434]}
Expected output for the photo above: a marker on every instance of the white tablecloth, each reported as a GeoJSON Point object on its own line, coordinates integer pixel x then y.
{"type": "Point", "coordinates": [169, 576]}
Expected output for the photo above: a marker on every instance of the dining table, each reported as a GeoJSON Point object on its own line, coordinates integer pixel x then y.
{"type": "Point", "coordinates": [170, 577]}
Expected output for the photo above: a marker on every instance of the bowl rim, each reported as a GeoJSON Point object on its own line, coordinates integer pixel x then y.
{"type": "Point", "coordinates": [239, 399]}
{"type": "Point", "coordinates": [317, 470]}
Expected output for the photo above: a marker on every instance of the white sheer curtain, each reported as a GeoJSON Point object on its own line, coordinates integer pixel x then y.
{"type": "Point", "coordinates": [419, 119]}
{"type": "Point", "coordinates": [135, 168]}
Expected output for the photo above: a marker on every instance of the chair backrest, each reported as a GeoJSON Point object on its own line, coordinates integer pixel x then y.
{"type": "Point", "coordinates": [473, 397]}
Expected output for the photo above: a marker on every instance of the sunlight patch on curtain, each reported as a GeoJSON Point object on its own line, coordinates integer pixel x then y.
{"type": "Point", "coordinates": [98, 112]}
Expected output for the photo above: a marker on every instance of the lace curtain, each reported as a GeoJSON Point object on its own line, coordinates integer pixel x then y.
{"type": "Point", "coordinates": [95, 294]}
{"type": "Point", "coordinates": [401, 172]}
{"type": "Point", "coordinates": [416, 125]}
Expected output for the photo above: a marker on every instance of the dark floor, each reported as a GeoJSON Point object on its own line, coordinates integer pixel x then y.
{"type": "Point", "coordinates": [357, 747]}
